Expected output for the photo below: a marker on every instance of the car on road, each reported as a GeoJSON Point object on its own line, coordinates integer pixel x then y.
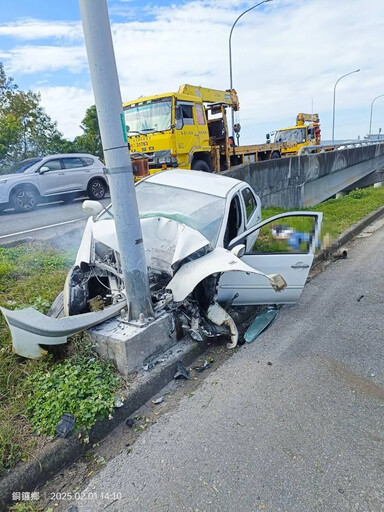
{"type": "Point", "coordinates": [52, 177]}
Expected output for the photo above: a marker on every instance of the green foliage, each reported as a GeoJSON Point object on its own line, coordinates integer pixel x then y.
{"type": "Point", "coordinates": [83, 387]}
{"type": "Point", "coordinates": [90, 141]}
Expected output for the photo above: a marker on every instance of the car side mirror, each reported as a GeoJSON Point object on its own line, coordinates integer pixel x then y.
{"type": "Point", "coordinates": [44, 169]}
{"type": "Point", "coordinates": [238, 250]}
{"type": "Point", "coordinates": [92, 207]}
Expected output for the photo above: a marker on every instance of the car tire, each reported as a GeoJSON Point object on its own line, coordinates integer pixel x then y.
{"type": "Point", "coordinates": [96, 189]}
{"type": "Point", "coordinates": [200, 165]}
{"type": "Point", "coordinates": [275, 155]}
{"type": "Point", "coordinates": [24, 199]}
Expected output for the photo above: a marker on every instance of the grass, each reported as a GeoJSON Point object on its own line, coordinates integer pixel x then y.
{"type": "Point", "coordinates": [32, 275]}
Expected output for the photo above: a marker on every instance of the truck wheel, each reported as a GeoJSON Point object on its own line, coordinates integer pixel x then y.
{"type": "Point", "coordinates": [275, 154]}
{"type": "Point", "coordinates": [24, 199]}
{"type": "Point", "coordinates": [200, 165]}
{"type": "Point", "coordinates": [96, 189]}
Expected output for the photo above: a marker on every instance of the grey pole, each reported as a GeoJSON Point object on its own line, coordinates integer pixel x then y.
{"type": "Point", "coordinates": [102, 65]}
{"type": "Point", "coordinates": [370, 119]}
{"type": "Point", "coordinates": [334, 102]}
{"type": "Point", "coordinates": [230, 56]}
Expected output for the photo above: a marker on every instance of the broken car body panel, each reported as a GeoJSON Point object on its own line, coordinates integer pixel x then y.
{"type": "Point", "coordinates": [30, 328]}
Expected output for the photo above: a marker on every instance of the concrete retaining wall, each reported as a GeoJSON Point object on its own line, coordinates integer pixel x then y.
{"type": "Point", "coordinates": [309, 179]}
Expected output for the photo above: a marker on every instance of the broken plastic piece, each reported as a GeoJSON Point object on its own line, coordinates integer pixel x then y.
{"type": "Point", "coordinates": [182, 372]}
{"type": "Point", "coordinates": [207, 364]}
{"type": "Point", "coordinates": [263, 319]}
{"type": "Point", "coordinates": [65, 426]}
{"type": "Point", "coordinates": [158, 400]}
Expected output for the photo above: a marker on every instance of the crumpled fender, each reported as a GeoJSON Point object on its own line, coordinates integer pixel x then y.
{"type": "Point", "coordinates": [218, 261]}
{"type": "Point", "coordinates": [30, 328]}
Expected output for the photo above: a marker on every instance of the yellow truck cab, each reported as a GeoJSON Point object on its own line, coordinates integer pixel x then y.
{"type": "Point", "coordinates": [305, 133]}
{"type": "Point", "coordinates": [170, 129]}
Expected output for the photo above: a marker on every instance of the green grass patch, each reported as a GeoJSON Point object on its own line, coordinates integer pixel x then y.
{"type": "Point", "coordinates": [33, 275]}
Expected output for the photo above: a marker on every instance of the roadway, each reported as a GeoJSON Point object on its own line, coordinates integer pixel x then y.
{"type": "Point", "coordinates": [48, 221]}
{"type": "Point", "coordinates": [293, 422]}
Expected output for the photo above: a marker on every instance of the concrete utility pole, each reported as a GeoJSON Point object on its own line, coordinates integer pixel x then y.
{"type": "Point", "coordinates": [102, 65]}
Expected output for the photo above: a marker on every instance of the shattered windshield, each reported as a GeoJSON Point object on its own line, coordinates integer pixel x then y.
{"type": "Point", "coordinates": [200, 211]}
{"type": "Point", "coordinates": [148, 116]}
{"type": "Point", "coordinates": [294, 135]}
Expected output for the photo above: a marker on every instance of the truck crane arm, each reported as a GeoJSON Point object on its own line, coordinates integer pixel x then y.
{"type": "Point", "coordinates": [306, 118]}
{"type": "Point", "coordinates": [228, 97]}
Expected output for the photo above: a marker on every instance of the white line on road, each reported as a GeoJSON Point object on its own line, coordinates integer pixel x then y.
{"type": "Point", "coordinates": [42, 227]}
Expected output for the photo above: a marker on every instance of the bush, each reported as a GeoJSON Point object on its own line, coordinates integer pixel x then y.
{"type": "Point", "coordinates": [83, 387]}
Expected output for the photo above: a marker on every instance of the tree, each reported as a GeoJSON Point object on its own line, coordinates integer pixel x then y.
{"type": "Point", "coordinates": [26, 130]}
{"type": "Point", "coordinates": [90, 141]}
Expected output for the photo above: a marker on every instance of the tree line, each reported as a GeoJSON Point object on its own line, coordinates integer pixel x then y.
{"type": "Point", "coordinates": [26, 130]}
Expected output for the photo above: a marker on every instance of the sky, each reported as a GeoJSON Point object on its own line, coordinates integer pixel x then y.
{"type": "Point", "coordinates": [287, 56]}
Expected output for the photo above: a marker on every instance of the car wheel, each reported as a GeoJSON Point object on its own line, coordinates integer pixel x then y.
{"type": "Point", "coordinates": [97, 189]}
{"type": "Point", "coordinates": [24, 199]}
{"type": "Point", "coordinates": [275, 155]}
{"type": "Point", "coordinates": [200, 165]}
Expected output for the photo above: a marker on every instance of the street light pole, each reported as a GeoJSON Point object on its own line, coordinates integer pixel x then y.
{"type": "Point", "coordinates": [334, 102]}
{"type": "Point", "coordinates": [370, 119]}
{"type": "Point", "coordinates": [230, 55]}
{"type": "Point", "coordinates": [102, 66]}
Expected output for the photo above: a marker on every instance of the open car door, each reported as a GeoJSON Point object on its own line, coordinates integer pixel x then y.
{"type": "Point", "coordinates": [285, 245]}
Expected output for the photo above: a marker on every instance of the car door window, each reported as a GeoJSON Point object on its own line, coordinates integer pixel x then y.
{"type": "Point", "coordinates": [285, 234]}
{"type": "Point", "coordinates": [249, 202]}
{"type": "Point", "coordinates": [73, 163]}
{"type": "Point", "coordinates": [234, 221]}
{"type": "Point", "coordinates": [53, 165]}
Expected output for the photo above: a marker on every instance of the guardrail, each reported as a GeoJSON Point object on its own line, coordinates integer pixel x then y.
{"type": "Point", "coordinates": [310, 150]}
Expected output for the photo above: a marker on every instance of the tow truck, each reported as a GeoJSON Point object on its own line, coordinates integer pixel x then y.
{"type": "Point", "coordinates": [306, 132]}
{"type": "Point", "coordinates": [188, 129]}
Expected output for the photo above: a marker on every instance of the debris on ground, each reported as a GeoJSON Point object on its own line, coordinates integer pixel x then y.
{"type": "Point", "coordinates": [182, 372]}
{"type": "Point", "coordinates": [129, 422]}
{"type": "Point", "coordinates": [158, 400]}
{"type": "Point", "coordinates": [207, 364]}
{"type": "Point", "coordinates": [361, 297]}
{"type": "Point", "coordinates": [263, 319]}
{"type": "Point", "coordinates": [65, 426]}
{"type": "Point", "coordinates": [340, 255]}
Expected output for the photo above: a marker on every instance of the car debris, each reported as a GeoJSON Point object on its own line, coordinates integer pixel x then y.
{"type": "Point", "coordinates": [199, 237]}
{"type": "Point", "coordinates": [182, 372]}
{"type": "Point", "coordinates": [264, 318]}
{"type": "Point", "coordinates": [207, 364]}
{"type": "Point", "coordinates": [65, 426]}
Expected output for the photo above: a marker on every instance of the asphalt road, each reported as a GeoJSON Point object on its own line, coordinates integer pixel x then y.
{"type": "Point", "coordinates": [293, 422]}
{"type": "Point", "coordinates": [47, 221]}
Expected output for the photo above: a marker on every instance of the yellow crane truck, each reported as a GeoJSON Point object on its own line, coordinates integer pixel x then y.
{"type": "Point", "coordinates": [188, 129]}
{"type": "Point", "coordinates": [306, 132]}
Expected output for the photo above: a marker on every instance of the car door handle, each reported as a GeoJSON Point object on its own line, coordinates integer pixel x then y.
{"type": "Point", "coordinates": [300, 265]}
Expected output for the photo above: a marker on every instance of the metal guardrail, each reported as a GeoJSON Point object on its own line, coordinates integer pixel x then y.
{"type": "Point", "coordinates": [332, 147]}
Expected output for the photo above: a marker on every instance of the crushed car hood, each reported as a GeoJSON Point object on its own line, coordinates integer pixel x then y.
{"type": "Point", "coordinates": [166, 241]}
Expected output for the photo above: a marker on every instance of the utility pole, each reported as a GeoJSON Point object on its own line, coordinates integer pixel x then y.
{"type": "Point", "coordinates": [102, 66]}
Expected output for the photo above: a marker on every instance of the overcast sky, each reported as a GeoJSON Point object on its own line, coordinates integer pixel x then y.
{"type": "Point", "coordinates": [287, 56]}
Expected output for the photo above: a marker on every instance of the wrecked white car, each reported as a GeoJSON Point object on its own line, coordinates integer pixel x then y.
{"type": "Point", "coordinates": [205, 245]}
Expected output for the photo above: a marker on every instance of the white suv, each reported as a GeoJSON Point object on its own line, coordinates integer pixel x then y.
{"type": "Point", "coordinates": [52, 177]}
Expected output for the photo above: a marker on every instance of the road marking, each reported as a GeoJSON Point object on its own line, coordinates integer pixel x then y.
{"type": "Point", "coordinates": [43, 227]}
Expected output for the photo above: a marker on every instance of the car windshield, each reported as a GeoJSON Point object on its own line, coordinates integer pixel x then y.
{"type": "Point", "coordinates": [200, 211]}
{"type": "Point", "coordinates": [294, 135]}
{"type": "Point", "coordinates": [23, 166]}
{"type": "Point", "coordinates": [148, 116]}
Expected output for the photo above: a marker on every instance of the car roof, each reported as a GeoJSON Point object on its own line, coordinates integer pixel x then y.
{"type": "Point", "coordinates": [198, 181]}
{"type": "Point", "coordinates": [66, 155]}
